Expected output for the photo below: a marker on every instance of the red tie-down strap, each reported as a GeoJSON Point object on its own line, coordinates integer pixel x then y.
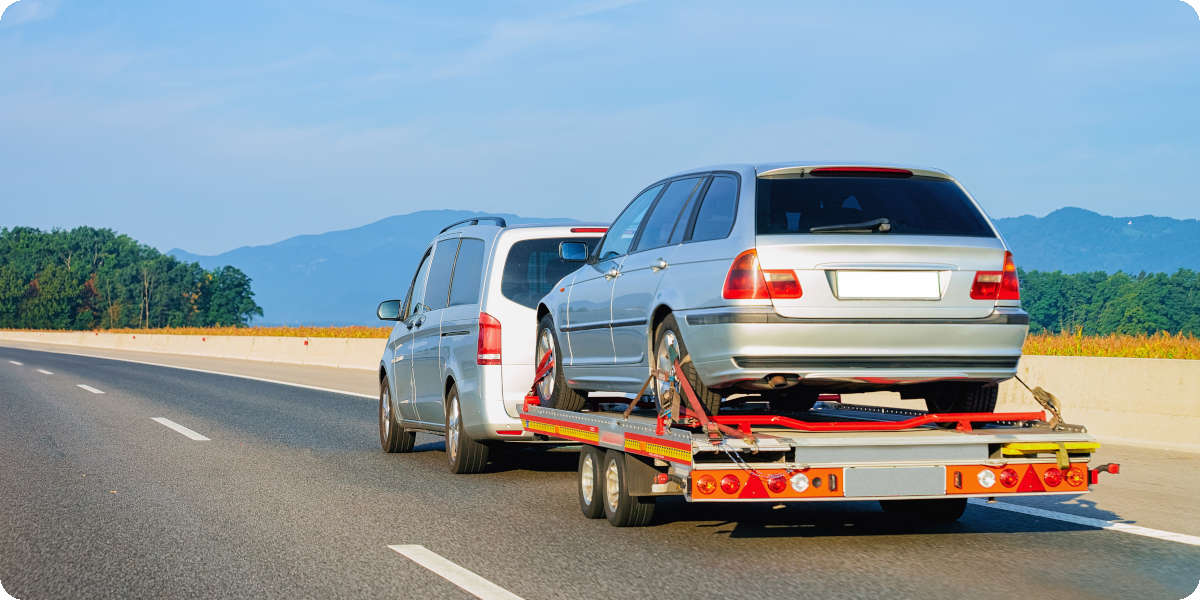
{"type": "Point", "coordinates": [543, 368]}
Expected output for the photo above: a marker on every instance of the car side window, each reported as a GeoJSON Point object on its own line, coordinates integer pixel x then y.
{"type": "Point", "coordinates": [437, 290]}
{"type": "Point", "coordinates": [661, 222]}
{"type": "Point", "coordinates": [468, 270]}
{"type": "Point", "coordinates": [416, 290]}
{"type": "Point", "coordinates": [714, 220]}
{"type": "Point", "coordinates": [620, 234]}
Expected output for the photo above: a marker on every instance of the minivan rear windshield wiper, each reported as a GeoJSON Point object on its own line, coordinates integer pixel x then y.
{"type": "Point", "coordinates": [882, 225]}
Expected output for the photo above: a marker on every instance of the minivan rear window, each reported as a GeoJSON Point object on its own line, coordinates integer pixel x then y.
{"type": "Point", "coordinates": [533, 267]}
{"type": "Point", "coordinates": [912, 206]}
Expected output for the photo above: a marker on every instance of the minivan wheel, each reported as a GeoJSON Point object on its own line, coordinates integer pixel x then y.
{"type": "Point", "coordinates": [962, 398]}
{"type": "Point", "coordinates": [552, 390]}
{"type": "Point", "coordinates": [465, 454]}
{"type": "Point", "coordinates": [667, 336]}
{"type": "Point", "coordinates": [392, 437]}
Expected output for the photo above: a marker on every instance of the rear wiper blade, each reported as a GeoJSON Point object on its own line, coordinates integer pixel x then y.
{"type": "Point", "coordinates": [882, 225]}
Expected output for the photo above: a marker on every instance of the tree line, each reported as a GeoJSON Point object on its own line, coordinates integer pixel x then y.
{"type": "Point", "coordinates": [88, 278]}
{"type": "Point", "coordinates": [1100, 304]}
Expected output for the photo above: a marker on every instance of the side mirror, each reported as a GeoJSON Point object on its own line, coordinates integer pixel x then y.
{"type": "Point", "coordinates": [573, 251]}
{"type": "Point", "coordinates": [389, 310]}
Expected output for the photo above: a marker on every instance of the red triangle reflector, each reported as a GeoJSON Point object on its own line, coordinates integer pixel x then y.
{"type": "Point", "coordinates": [1030, 482]}
{"type": "Point", "coordinates": [754, 489]}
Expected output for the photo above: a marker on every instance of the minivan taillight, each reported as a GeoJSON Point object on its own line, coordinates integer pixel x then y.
{"type": "Point", "coordinates": [748, 281]}
{"type": "Point", "coordinates": [997, 285]}
{"type": "Point", "coordinates": [489, 340]}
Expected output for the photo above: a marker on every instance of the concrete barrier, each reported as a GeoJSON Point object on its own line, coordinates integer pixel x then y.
{"type": "Point", "coordinates": [1139, 401]}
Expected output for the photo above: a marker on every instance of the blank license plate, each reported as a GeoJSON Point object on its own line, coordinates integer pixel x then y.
{"type": "Point", "coordinates": [888, 285]}
{"type": "Point", "coordinates": [895, 481]}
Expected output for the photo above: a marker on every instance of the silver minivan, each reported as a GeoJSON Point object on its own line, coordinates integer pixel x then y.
{"type": "Point", "coordinates": [791, 280]}
{"type": "Point", "coordinates": [459, 360]}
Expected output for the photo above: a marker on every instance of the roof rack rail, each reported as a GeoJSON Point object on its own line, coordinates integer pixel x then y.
{"type": "Point", "coordinates": [500, 222]}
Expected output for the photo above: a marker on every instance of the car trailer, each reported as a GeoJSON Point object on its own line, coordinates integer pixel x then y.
{"type": "Point", "coordinates": [915, 462]}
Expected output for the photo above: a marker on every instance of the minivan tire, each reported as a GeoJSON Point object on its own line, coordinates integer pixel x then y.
{"type": "Point", "coordinates": [709, 400]}
{"type": "Point", "coordinates": [392, 436]}
{"type": "Point", "coordinates": [561, 396]}
{"type": "Point", "coordinates": [465, 455]}
{"type": "Point", "coordinates": [962, 398]}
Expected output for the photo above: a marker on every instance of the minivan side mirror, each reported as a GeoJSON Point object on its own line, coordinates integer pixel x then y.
{"type": "Point", "coordinates": [573, 251]}
{"type": "Point", "coordinates": [389, 310]}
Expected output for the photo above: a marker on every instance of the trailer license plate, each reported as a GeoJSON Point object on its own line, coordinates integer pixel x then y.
{"type": "Point", "coordinates": [888, 285]}
{"type": "Point", "coordinates": [895, 481]}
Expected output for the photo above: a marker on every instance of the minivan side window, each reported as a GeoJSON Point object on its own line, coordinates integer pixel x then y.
{"type": "Point", "coordinates": [715, 218]}
{"type": "Point", "coordinates": [468, 270]}
{"type": "Point", "coordinates": [665, 215]}
{"type": "Point", "coordinates": [620, 234]}
{"type": "Point", "coordinates": [416, 290]}
{"type": "Point", "coordinates": [437, 291]}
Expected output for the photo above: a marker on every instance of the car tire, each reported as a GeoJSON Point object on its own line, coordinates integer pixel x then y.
{"type": "Point", "coordinates": [553, 391]}
{"type": "Point", "coordinates": [962, 398]}
{"type": "Point", "coordinates": [464, 454]}
{"type": "Point", "coordinates": [668, 330]}
{"type": "Point", "coordinates": [591, 486]}
{"type": "Point", "coordinates": [622, 509]}
{"type": "Point", "coordinates": [392, 436]}
{"type": "Point", "coordinates": [936, 510]}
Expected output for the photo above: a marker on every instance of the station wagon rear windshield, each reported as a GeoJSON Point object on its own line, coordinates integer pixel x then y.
{"type": "Point", "coordinates": [911, 205]}
{"type": "Point", "coordinates": [533, 267]}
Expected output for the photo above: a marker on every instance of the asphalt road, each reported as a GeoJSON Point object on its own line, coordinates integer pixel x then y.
{"type": "Point", "coordinates": [290, 497]}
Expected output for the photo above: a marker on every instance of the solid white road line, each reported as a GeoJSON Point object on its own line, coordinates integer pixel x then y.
{"type": "Point", "coordinates": [1170, 536]}
{"type": "Point", "coordinates": [19, 364]}
{"type": "Point", "coordinates": [194, 370]}
{"type": "Point", "coordinates": [88, 388]}
{"type": "Point", "coordinates": [45, 372]}
{"type": "Point", "coordinates": [468, 581]}
{"type": "Point", "coordinates": [180, 428]}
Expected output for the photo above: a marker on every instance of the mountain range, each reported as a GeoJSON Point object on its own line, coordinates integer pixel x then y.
{"type": "Point", "coordinates": [338, 277]}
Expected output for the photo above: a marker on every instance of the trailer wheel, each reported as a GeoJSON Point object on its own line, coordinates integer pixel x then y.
{"type": "Point", "coordinates": [667, 336]}
{"type": "Point", "coordinates": [961, 398]}
{"type": "Point", "coordinates": [392, 437]}
{"type": "Point", "coordinates": [591, 483]}
{"type": "Point", "coordinates": [622, 509]}
{"type": "Point", "coordinates": [936, 510]}
{"type": "Point", "coordinates": [552, 390]}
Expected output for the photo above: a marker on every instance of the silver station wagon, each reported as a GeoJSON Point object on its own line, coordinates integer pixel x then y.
{"type": "Point", "coordinates": [788, 281]}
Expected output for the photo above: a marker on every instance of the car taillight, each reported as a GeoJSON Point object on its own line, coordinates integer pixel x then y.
{"type": "Point", "coordinates": [997, 285]}
{"type": "Point", "coordinates": [748, 281]}
{"type": "Point", "coordinates": [489, 340]}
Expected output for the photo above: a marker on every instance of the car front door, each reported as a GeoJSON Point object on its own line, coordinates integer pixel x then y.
{"type": "Point", "coordinates": [589, 307]}
{"type": "Point", "coordinates": [427, 336]}
{"type": "Point", "coordinates": [402, 355]}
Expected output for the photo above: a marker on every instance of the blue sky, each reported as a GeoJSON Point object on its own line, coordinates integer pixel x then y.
{"type": "Point", "coordinates": [211, 125]}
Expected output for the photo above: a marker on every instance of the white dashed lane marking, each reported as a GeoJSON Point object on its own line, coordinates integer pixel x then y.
{"type": "Point", "coordinates": [180, 428]}
{"type": "Point", "coordinates": [88, 388]}
{"type": "Point", "coordinates": [470, 582]}
{"type": "Point", "coordinates": [1170, 536]}
{"type": "Point", "coordinates": [16, 363]}
{"type": "Point", "coordinates": [45, 372]}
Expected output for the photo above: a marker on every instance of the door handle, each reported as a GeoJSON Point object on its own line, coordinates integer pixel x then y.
{"type": "Point", "coordinates": [660, 265]}
{"type": "Point", "coordinates": [613, 272]}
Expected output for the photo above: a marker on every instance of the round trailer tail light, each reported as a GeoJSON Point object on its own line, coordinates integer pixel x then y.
{"type": "Point", "coordinates": [706, 484]}
{"type": "Point", "coordinates": [987, 478]}
{"type": "Point", "coordinates": [730, 484]}
{"type": "Point", "coordinates": [799, 482]}
{"type": "Point", "coordinates": [1008, 478]}
{"type": "Point", "coordinates": [1075, 477]}
{"type": "Point", "coordinates": [777, 484]}
{"type": "Point", "coordinates": [1052, 477]}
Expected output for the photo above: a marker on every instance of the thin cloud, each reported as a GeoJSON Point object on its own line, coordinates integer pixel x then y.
{"type": "Point", "coordinates": [1195, 4]}
{"type": "Point", "coordinates": [4, 4]}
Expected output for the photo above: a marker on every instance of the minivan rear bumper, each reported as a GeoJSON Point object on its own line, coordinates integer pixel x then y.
{"type": "Point", "coordinates": [741, 346]}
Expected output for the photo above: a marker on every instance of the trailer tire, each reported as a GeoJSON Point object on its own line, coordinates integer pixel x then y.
{"type": "Point", "coordinates": [668, 331]}
{"type": "Point", "coordinates": [591, 485]}
{"type": "Point", "coordinates": [392, 436]}
{"type": "Point", "coordinates": [962, 398]}
{"type": "Point", "coordinates": [622, 509]}
{"type": "Point", "coordinates": [938, 510]}
{"type": "Point", "coordinates": [553, 391]}
{"type": "Point", "coordinates": [464, 454]}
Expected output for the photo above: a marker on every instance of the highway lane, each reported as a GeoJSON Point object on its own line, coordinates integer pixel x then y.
{"type": "Point", "coordinates": [291, 497]}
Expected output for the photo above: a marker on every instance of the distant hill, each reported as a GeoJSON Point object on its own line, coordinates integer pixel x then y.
{"type": "Point", "coordinates": [338, 277]}
{"type": "Point", "coordinates": [1075, 240]}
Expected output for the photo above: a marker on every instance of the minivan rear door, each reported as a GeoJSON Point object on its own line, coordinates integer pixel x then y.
{"type": "Point", "coordinates": [874, 243]}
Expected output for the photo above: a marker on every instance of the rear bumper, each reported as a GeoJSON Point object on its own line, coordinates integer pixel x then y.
{"type": "Point", "coordinates": [743, 345]}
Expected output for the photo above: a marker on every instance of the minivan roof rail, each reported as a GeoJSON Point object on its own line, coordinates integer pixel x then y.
{"type": "Point", "coordinates": [500, 222]}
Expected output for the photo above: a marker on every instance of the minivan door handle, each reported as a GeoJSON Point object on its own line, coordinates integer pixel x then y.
{"type": "Point", "coordinates": [660, 265]}
{"type": "Point", "coordinates": [613, 272]}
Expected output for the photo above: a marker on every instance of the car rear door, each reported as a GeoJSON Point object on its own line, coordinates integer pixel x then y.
{"type": "Point", "coordinates": [427, 333]}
